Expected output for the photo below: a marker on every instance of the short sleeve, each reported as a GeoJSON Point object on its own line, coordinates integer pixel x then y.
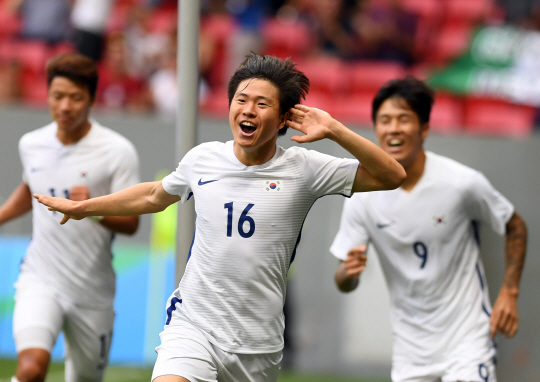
{"type": "Point", "coordinates": [351, 228]}
{"type": "Point", "coordinates": [177, 182]}
{"type": "Point", "coordinates": [487, 205]}
{"type": "Point", "coordinates": [326, 174]}
{"type": "Point", "coordinates": [126, 170]}
{"type": "Point", "coordinates": [22, 156]}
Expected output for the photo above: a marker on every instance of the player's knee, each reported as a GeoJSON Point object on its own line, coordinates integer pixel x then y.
{"type": "Point", "coordinates": [31, 370]}
{"type": "Point", "coordinates": [32, 365]}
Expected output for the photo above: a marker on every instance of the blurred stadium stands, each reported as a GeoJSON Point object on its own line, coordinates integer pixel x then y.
{"type": "Point", "coordinates": [342, 86]}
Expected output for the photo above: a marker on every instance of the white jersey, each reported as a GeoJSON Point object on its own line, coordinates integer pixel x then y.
{"type": "Point", "coordinates": [427, 243]}
{"type": "Point", "coordinates": [74, 259]}
{"type": "Point", "coordinates": [248, 226]}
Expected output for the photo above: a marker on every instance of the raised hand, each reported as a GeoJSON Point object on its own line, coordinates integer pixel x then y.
{"type": "Point", "coordinates": [316, 124]}
{"type": "Point", "coordinates": [62, 205]}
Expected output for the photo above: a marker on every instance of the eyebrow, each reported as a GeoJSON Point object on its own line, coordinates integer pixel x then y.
{"type": "Point", "coordinates": [402, 114]}
{"type": "Point", "coordinates": [267, 99]}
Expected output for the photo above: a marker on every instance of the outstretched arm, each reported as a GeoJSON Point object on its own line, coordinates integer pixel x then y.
{"type": "Point", "coordinates": [18, 203]}
{"type": "Point", "coordinates": [348, 272]}
{"type": "Point", "coordinates": [122, 224]}
{"type": "Point", "coordinates": [504, 318]}
{"type": "Point", "coordinates": [377, 169]}
{"type": "Point", "coordinates": [143, 198]}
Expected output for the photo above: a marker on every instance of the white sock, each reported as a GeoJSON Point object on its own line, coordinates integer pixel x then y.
{"type": "Point", "coordinates": [14, 379]}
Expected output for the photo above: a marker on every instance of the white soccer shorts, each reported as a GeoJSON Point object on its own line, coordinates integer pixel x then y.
{"type": "Point", "coordinates": [450, 371]}
{"type": "Point", "coordinates": [39, 316]}
{"type": "Point", "coordinates": [185, 351]}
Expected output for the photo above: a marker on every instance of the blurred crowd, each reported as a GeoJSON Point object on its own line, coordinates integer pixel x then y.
{"type": "Point", "coordinates": [348, 48]}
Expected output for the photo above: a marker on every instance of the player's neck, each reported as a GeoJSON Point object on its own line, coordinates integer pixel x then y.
{"type": "Point", "coordinates": [254, 157]}
{"type": "Point", "coordinates": [73, 135]}
{"type": "Point", "coordinates": [414, 171]}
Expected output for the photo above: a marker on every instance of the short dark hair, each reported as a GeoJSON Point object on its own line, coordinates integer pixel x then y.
{"type": "Point", "coordinates": [292, 84]}
{"type": "Point", "coordinates": [418, 96]}
{"type": "Point", "coordinates": [74, 66]}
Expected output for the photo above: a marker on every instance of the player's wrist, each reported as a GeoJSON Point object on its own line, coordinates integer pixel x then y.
{"type": "Point", "coordinates": [510, 291]}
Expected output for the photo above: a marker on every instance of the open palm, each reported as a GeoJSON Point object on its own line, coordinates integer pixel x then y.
{"type": "Point", "coordinates": [62, 205]}
{"type": "Point", "coordinates": [314, 123]}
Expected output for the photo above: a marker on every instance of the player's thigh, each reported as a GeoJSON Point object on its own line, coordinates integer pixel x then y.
{"type": "Point", "coordinates": [185, 352]}
{"type": "Point", "coordinates": [88, 336]}
{"type": "Point", "coordinates": [470, 371]}
{"type": "Point", "coordinates": [38, 318]}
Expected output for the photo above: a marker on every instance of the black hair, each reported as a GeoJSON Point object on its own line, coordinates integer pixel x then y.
{"type": "Point", "coordinates": [418, 96]}
{"type": "Point", "coordinates": [74, 66]}
{"type": "Point", "coordinates": [291, 83]}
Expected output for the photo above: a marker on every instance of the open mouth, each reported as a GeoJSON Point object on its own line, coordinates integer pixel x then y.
{"type": "Point", "coordinates": [248, 127]}
{"type": "Point", "coordinates": [395, 142]}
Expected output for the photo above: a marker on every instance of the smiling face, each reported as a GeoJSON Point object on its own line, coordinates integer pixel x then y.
{"type": "Point", "coordinates": [399, 131]}
{"type": "Point", "coordinates": [69, 105]}
{"type": "Point", "coordinates": [255, 121]}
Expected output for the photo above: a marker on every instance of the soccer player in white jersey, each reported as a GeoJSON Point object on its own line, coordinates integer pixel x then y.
{"type": "Point", "coordinates": [425, 233]}
{"type": "Point", "coordinates": [67, 282]}
{"type": "Point", "coordinates": [225, 320]}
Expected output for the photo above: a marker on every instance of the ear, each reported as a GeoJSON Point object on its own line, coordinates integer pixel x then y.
{"type": "Point", "coordinates": [282, 119]}
{"type": "Point", "coordinates": [424, 131]}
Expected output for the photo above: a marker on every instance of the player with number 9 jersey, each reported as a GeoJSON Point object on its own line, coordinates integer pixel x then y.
{"type": "Point", "coordinates": [426, 234]}
{"type": "Point", "coordinates": [430, 258]}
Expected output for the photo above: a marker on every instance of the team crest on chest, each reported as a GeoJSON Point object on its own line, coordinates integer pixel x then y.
{"type": "Point", "coordinates": [273, 185]}
{"type": "Point", "coordinates": [439, 220]}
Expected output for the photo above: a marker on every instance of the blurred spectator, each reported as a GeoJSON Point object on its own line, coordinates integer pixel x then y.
{"type": "Point", "coordinates": [45, 20]}
{"type": "Point", "coordinates": [331, 24]}
{"type": "Point", "coordinates": [532, 20]}
{"type": "Point", "coordinates": [386, 31]}
{"type": "Point", "coordinates": [10, 77]}
{"type": "Point", "coordinates": [517, 10]}
{"type": "Point", "coordinates": [89, 20]}
{"type": "Point", "coordinates": [117, 88]}
{"type": "Point", "coordinates": [163, 83]}
{"type": "Point", "coordinates": [145, 46]}
{"type": "Point", "coordinates": [249, 15]}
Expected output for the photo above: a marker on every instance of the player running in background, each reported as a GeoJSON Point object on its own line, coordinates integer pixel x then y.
{"type": "Point", "coordinates": [426, 235]}
{"type": "Point", "coordinates": [67, 282]}
{"type": "Point", "coordinates": [225, 320]}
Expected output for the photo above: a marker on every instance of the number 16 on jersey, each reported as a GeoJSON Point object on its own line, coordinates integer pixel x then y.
{"type": "Point", "coordinates": [244, 218]}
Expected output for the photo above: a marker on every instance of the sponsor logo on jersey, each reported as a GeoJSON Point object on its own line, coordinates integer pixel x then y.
{"type": "Point", "coordinates": [202, 183]}
{"type": "Point", "coordinates": [384, 225]}
{"type": "Point", "coordinates": [36, 169]}
{"type": "Point", "coordinates": [273, 185]}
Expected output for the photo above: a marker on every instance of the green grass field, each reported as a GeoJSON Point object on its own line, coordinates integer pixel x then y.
{"type": "Point", "coordinates": [130, 374]}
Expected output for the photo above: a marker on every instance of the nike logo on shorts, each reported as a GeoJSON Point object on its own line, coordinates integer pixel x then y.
{"type": "Point", "coordinates": [384, 225]}
{"type": "Point", "coordinates": [201, 183]}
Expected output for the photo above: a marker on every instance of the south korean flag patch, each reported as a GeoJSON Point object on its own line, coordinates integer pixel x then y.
{"type": "Point", "coordinates": [273, 185]}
